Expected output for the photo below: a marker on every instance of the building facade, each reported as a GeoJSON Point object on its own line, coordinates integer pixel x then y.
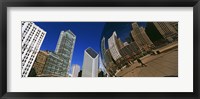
{"type": "Point", "coordinates": [120, 44]}
{"type": "Point", "coordinates": [175, 25]}
{"type": "Point", "coordinates": [54, 65]}
{"type": "Point", "coordinates": [40, 62]}
{"type": "Point", "coordinates": [65, 47]}
{"type": "Point", "coordinates": [75, 70]}
{"type": "Point", "coordinates": [90, 63]}
{"type": "Point", "coordinates": [32, 38]}
{"type": "Point", "coordinates": [140, 37]}
{"type": "Point", "coordinates": [109, 63]}
{"type": "Point", "coordinates": [146, 38]}
{"type": "Point", "coordinates": [113, 44]}
{"type": "Point", "coordinates": [166, 30]}
{"type": "Point", "coordinates": [134, 47]}
{"type": "Point", "coordinates": [127, 52]}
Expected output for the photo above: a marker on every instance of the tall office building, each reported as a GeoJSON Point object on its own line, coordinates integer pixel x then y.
{"type": "Point", "coordinates": [32, 38]}
{"type": "Point", "coordinates": [145, 36]}
{"type": "Point", "coordinates": [40, 62]}
{"type": "Point", "coordinates": [54, 65]}
{"type": "Point", "coordinates": [75, 70]}
{"type": "Point", "coordinates": [140, 37]}
{"type": "Point", "coordinates": [113, 43]}
{"type": "Point", "coordinates": [166, 29]}
{"type": "Point", "coordinates": [65, 47]}
{"type": "Point", "coordinates": [90, 63]}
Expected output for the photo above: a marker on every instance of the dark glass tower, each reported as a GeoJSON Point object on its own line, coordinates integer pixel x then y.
{"type": "Point", "coordinates": [65, 46]}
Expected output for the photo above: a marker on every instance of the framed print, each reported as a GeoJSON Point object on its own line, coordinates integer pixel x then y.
{"type": "Point", "coordinates": [88, 49]}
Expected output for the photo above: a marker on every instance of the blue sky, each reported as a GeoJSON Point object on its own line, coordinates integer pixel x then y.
{"type": "Point", "coordinates": [88, 34]}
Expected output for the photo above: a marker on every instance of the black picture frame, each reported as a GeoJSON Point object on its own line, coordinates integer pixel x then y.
{"type": "Point", "coordinates": [99, 3]}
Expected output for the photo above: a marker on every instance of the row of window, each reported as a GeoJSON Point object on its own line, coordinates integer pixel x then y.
{"type": "Point", "coordinates": [27, 41]}
{"type": "Point", "coordinates": [25, 58]}
{"type": "Point", "coordinates": [25, 45]}
{"type": "Point", "coordinates": [27, 29]}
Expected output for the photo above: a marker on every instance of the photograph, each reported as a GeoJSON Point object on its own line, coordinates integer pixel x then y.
{"type": "Point", "coordinates": [103, 48]}
{"type": "Point", "coordinates": [99, 49]}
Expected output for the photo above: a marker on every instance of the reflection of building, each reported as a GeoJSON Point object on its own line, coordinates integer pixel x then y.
{"type": "Point", "coordinates": [90, 63]}
{"type": "Point", "coordinates": [166, 30]}
{"type": "Point", "coordinates": [108, 57]}
{"type": "Point", "coordinates": [175, 25]}
{"type": "Point", "coordinates": [127, 52]}
{"type": "Point", "coordinates": [113, 43]}
{"type": "Point", "coordinates": [155, 36]}
{"type": "Point", "coordinates": [101, 65]}
{"type": "Point", "coordinates": [146, 38]}
{"type": "Point", "coordinates": [129, 39]}
{"type": "Point", "coordinates": [75, 70]}
{"type": "Point", "coordinates": [141, 38]}
{"type": "Point", "coordinates": [103, 49]}
{"type": "Point", "coordinates": [110, 65]}
{"type": "Point", "coordinates": [134, 47]}
{"type": "Point", "coordinates": [103, 46]}
{"type": "Point", "coordinates": [32, 38]}
{"type": "Point", "coordinates": [120, 44]}
{"type": "Point", "coordinates": [65, 47]}
{"type": "Point", "coordinates": [40, 62]}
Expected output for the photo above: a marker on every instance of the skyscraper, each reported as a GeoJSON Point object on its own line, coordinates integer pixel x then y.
{"type": "Point", "coordinates": [54, 65]}
{"type": "Point", "coordinates": [145, 36]}
{"type": "Point", "coordinates": [75, 70]}
{"type": "Point", "coordinates": [32, 38]}
{"type": "Point", "coordinates": [140, 37]}
{"type": "Point", "coordinates": [113, 46]}
{"type": "Point", "coordinates": [65, 47]}
{"type": "Point", "coordinates": [90, 63]}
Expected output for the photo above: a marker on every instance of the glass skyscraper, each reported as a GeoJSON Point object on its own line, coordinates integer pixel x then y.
{"type": "Point", "coordinates": [54, 66]}
{"type": "Point", "coordinates": [58, 62]}
{"type": "Point", "coordinates": [65, 47]}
